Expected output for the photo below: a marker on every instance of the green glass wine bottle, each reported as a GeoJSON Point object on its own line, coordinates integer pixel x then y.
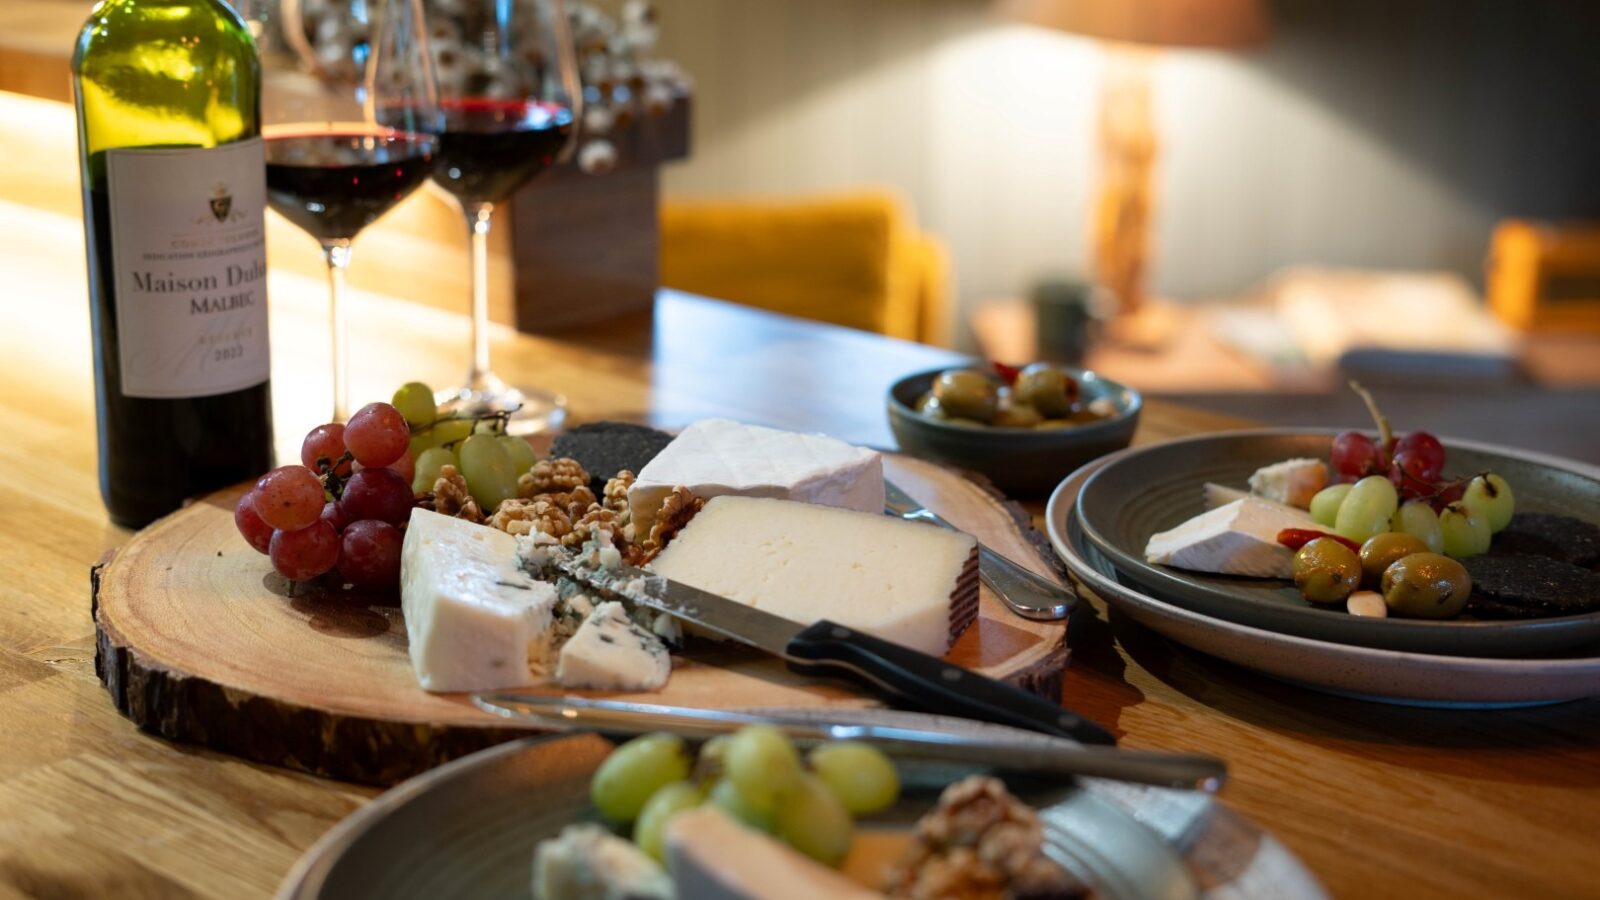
{"type": "Point", "coordinates": [174, 203]}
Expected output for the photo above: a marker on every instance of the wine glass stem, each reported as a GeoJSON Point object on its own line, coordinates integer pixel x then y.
{"type": "Point", "coordinates": [478, 233]}
{"type": "Point", "coordinates": [337, 255]}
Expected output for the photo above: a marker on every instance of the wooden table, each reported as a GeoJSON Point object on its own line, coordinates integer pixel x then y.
{"type": "Point", "coordinates": [1380, 801]}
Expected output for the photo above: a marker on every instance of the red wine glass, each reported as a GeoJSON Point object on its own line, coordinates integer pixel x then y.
{"type": "Point", "coordinates": [510, 98]}
{"type": "Point", "coordinates": [351, 113]}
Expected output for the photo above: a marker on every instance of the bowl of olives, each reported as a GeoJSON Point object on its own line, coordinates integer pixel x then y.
{"type": "Point", "coordinates": [1025, 429]}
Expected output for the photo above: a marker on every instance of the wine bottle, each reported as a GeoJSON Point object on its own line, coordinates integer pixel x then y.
{"type": "Point", "coordinates": [174, 205]}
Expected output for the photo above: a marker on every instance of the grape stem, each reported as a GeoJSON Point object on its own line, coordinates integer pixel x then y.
{"type": "Point", "coordinates": [331, 482]}
{"type": "Point", "coordinates": [1385, 433]}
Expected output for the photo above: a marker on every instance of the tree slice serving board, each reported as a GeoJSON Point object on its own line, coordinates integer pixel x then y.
{"type": "Point", "coordinates": [198, 640]}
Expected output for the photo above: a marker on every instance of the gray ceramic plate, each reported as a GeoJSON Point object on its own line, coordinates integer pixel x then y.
{"type": "Point", "coordinates": [1389, 676]}
{"type": "Point", "coordinates": [1155, 488]}
{"type": "Point", "coordinates": [469, 828]}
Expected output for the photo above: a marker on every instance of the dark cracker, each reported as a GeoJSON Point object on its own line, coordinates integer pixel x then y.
{"type": "Point", "coordinates": [1544, 534]}
{"type": "Point", "coordinates": [1526, 587]}
{"type": "Point", "coordinates": [606, 448]}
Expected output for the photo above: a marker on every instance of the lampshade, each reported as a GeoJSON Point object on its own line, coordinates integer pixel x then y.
{"type": "Point", "coordinates": [1164, 23]}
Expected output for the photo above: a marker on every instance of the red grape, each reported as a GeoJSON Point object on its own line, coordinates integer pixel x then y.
{"type": "Point", "coordinates": [1452, 492]}
{"type": "Point", "coordinates": [1423, 454]}
{"type": "Point", "coordinates": [1355, 454]}
{"type": "Point", "coordinates": [248, 521]}
{"type": "Point", "coordinates": [325, 442]}
{"type": "Point", "coordinates": [369, 555]}
{"type": "Point", "coordinates": [333, 516]}
{"type": "Point", "coordinates": [377, 434]}
{"type": "Point", "coordinates": [303, 554]}
{"type": "Point", "coordinates": [377, 494]}
{"type": "Point", "coordinates": [288, 497]}
{"type": "Point", "coordinates": [405, 466]}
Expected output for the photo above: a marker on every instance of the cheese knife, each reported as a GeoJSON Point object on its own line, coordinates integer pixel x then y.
{"type": "Point", "coordinates": [829, 649]}
{"type": "Point", "coordinates": [924, 740]}
{"type": "Point", "coordinates": [1023, 592]}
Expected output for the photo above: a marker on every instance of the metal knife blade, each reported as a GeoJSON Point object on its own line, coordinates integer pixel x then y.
{"type": "Point", "coordinates": [1022, 591]}
{"type": "Point", "coordinates": [829, 649]}
{"type": "Point", "coordinates": [981, 745]}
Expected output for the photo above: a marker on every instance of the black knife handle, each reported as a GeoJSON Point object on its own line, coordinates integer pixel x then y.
{"type": "Point", "coordinates": [931, 684]}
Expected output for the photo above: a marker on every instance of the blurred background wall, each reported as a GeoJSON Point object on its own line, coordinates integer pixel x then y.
{"type": "Point", "coordinates": [1384, 133]}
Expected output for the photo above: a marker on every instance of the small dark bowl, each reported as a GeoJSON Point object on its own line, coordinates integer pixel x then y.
{"type": "Point", "coordinates": [1020, 461]}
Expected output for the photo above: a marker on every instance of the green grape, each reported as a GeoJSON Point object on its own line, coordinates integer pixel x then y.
{"type": "Point", "coordinates": [1366, 510]}
{"type": "Point", "coordinates": [421, 442]}
{"type": "Point", "coordinates": [1466, 530]}
{"type": "Point", "coordinates": [451, 431]}
{"type": "Point", "coordinates": [1491, 495]}
{"type": "Point", "coordinates": [487, 468]}
{"type": "Point", "coordinates": [714, 755]}
{"type": "Point", "coordinates": [649, 832]}
{"type": "Point", "coordinates": [1325, 505]}
{"type": "Point", "coordinates": [489, 426]}
{"type": "Point", "coordinates": [763, 764]}
{"type": "Point", "coordinates": [415, 401]}
{"type": "Point", "coordinates": [813, 821]}
{"type": "Point", "coordinates": [631, 775]}
{"type": "Point", "coordinates": [428, 465]}
{"type": "Point", "coordinates": [520, 452]}
{"type": "Point", "coordinates": [725, 796]}
{"type": "Point", "coordinates": [860, 775]}
{"type": "Point", "coordinates": [1417, 518]}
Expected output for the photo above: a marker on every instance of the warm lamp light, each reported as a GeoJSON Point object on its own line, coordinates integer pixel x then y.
{"type": "Point", "coordinates": [1124, 200]}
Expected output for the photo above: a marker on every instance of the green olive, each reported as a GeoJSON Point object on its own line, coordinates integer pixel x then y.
{"type": "Point", "coordinates": [1326, 571]}
{"type": "Point", "coordinates": [1426, 586]}
{"type": "Point", "coordinates": [1012, 414]}
{"type": "Point", "coordinates": [1381, 550]}
{"type": "Point", "coordinates": [1049, 389]}
{"type": "Point", "coordinates": [928, 405]}
{"type": "Point", "coordinates": [965, 394]}
{"type": "Point", "coordinates": [1052, 424]}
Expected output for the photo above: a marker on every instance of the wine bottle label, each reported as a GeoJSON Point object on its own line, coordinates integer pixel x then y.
{"type": "Point", "coordinates": [189, 254]}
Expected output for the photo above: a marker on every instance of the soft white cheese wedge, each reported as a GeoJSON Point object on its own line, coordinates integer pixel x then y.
{"type": "Point", "coordinates": [1214, 495]}
{"type": "Point", "coordinates": [1239, 538]}
{"type": "Point", "coordinates": [717, 457]}
{"type": "Point", "coordinates": [713, 857]}
{"type": "Point", "coordinates": [611, 653]}
{"type": "Point", "coordinates": [476, 622]}
{"type": "Point", "coordinates": [1293, 482]}
{"type": "Point", "coordinates": [587, 862]}
{"type": "Point", "coordinates": [906, 582]}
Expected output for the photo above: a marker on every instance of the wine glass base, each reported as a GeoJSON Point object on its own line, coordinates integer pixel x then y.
{"type": "Point", "coordinates": [532, 410]}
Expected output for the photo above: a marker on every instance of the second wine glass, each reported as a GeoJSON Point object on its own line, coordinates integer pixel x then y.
{"type": "Point", "coordinates": [510, 98]}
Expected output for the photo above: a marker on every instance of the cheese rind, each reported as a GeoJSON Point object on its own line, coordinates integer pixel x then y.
{"type": "Point", "coordinates": [906, 582]}
{"type": "Point", "coordinates": [1238, 538]}
{"type": "Point", "coordinates": [718, 457]}
{"type": "Point", "coordinates": [609, 652]}
{"type": "Point", "coordinates": [713, 857]}
{"type": "Point", "coordinates": [475, 621]}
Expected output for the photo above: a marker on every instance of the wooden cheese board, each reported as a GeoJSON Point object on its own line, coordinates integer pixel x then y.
{"type": "Point", "coordinates": [199, 641]}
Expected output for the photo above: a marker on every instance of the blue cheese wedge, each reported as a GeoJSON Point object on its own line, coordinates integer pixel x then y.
{"type": "Point", "coordinates": [1238, 538]}
{"type": "Point", "coordinates": [475, 620]}
{"type": "Point", "coordinates": [587, 862]}
{"type": "Point", "coordinates": [611, 653]}
{"type": "Point", "coordinates": [717, 457]}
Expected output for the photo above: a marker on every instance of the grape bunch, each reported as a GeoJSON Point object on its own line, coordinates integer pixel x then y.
{"type": "Point", "coordinates": [757, 776]}
{"type": "Point", "coordinates": [344, 509]}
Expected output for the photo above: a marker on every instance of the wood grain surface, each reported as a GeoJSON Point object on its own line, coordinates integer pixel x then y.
{"type": "Point", "coordinates": [1380, 801]}
{"type": "Point", "coordinates": [198, 640]}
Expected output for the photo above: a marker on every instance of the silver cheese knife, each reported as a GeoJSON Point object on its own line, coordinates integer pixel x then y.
{"type": "Point", "coordinates": [830, 649]}
{"type": "Point", "coordinates": [1025, 593]}
{"type": "Point", "coordinates": [997, 749]}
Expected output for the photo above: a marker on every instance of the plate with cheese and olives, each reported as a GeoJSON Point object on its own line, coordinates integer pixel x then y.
{"type": "Point", "coordinates": [1490, 554]}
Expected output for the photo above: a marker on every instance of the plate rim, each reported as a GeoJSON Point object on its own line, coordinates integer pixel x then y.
{"type": "Point", "coordinates": [1416, 628]}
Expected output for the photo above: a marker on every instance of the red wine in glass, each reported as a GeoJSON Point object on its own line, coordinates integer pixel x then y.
{"type": "Point", "coordinates": [334, 184]}
{"type": "Point", "coordinates": [490, 147]}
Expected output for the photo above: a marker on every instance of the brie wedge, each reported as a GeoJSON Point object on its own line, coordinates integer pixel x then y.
{"type": "Point", "coordinates": [713, 857]}
{"type": "Point", "coordinates": [1239, 538]}
{"type": "Point", "coordinates": [902, 581]}
{"type": "Point", "coordinates": [475, 620]}
{"type": "Point", "coordinates": [1293, 482]}
{"type": "Point", "coordinates": [611, 653]}
{"type": "Point", "coordinates": [717, 457]}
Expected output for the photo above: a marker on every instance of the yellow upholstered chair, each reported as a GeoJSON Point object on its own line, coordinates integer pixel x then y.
{"type": "Point", "coordinates": [855, 260]}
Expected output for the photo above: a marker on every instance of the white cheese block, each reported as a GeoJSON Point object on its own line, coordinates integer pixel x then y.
{"type": "Point", "coordinates": [1293, 482]}
{"type": "Point", "coordinates": [587, 862]}
{"type": "Point", "coordinates": [906, 582]}
{"type": "Point", "coordinates": [716, 457]}
{"type": "Point", "coordinates": [611, 653]}
{"type": "Point", "coordinates": [475, 620]}
{"type": "Point", "coordinates": [1239, 538]}
{"type": "Point", "coordinates": [713, 857]}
